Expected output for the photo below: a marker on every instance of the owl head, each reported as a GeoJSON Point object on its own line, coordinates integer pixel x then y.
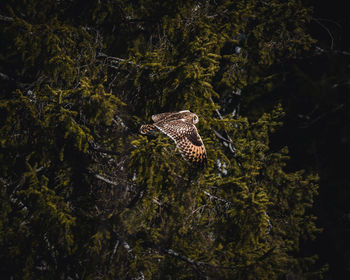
{"type": "Point", "coordinates": [189, 116]}
{"type": "Point", "coordinates": [195, 118]}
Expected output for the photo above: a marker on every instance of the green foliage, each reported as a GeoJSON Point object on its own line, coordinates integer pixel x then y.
{"type": "Point", "coordinates": [85, 196]}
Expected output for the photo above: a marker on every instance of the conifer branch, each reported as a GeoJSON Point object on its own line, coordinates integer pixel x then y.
{"type": "Point", "coordinates": [19, 182]}
{"type": "Point", "coordinates": [196, 264]}
{"type": "Point", "coordinates": [94, 147]}
{"type": "Point", "coordinates": [228, 141]}
{"type": "Point", "coordinates": [137, 197]}
{"type": "Point", "coordinates": [125, 245]}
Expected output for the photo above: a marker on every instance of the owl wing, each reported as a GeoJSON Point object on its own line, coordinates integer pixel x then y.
{"type": "Point", "coordinates": [159, 117]}
{"type": "Point", "coordinates": [186, 138]}
{"type": "Point", "coordinates": [168, 116]}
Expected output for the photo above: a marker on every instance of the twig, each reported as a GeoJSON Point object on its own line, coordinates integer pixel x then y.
{"type": "Point", "coordinates": [320, 50]}
{"type": "Point", "coordinates": [322, 116]}
{"type": "Point", "coordinates": [216, 198]}
{"type": "Point", "coordinates": [113, 183]}
{"type": "Point", "coordinates": [106, 180]}
{"type": "Point", "coordinates": [119, 121]}
{"type": "Point", "coordinates": [5, 18]}
{"type": "Point", "coordinates": [116, 59]}
{"type": "Point", "coordinates": [105, 151]}
{"type": "Point", "coordinates": [122, 241]}
{"type": "Point", "coordinates": [221, 137]}
{"type": "Point", "coordinates": [5, 77]}
{"type": "Point", "coordinates": [228, 140]}
{"type": "Point", "coordinates": [194, 263]}
{"type": "Point", "coordinates": [327, 30]}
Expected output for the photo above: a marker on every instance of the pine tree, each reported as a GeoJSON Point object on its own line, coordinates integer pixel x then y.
{"type": "Point", "coordinates": [83, 195]}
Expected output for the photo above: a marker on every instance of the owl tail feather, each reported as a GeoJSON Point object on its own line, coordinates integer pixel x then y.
{"type": "Point", "coordinates": [144, 129]}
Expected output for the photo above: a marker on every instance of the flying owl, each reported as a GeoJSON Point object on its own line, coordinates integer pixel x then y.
{"type": "Point", "coordinates": [180, 126]}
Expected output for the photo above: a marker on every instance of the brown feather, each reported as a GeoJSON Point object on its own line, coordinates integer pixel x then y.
{"type": "Point", "coordinates": [180, 127]}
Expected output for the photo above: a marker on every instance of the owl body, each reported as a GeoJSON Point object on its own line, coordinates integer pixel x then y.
{"type": "Point", "coordinates": [180, 126]}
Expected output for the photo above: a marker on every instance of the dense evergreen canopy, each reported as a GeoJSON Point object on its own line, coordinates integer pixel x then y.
{"type": "Point", "coordinates": [85, 196]}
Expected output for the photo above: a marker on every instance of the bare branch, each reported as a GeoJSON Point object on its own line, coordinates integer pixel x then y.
{"type": "Point", "coordinates": [106, 180]}
{"type": "Point", "coordinates": [5, 18]}
{"type": "Point", "coordinates": [221, 137]}
{"type": "Point", "coordinates": [119, 121]}
{"type": "Point", "coordinates": [122, 241]}
{"type": "Point", "coordinates": [114, 59]}
{"type": "Point", "coordinates": [312, 122]}
{"type": "Point", "coordinates": [104, 151]}
{"type": "Point", "coordinates": [327, 30]}
{"type": "Point", "coordinates": [216, 198]}
{"type": "Point", "coordinates": [110, 182]}
{"type": "Point", "coordinates": [228, 141]}
{"type": "Point", "coordinates": [5, 77]}
{"type": "Point", "coordinates": [320, 50]}
{"type": "Point", "coordinates": [184, 258]}
{"type": "Point", "coordinates": [195, 263]}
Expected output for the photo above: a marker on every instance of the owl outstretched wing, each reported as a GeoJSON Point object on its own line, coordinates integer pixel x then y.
{"type": "Point", "coordinates": [187, 139]}
{"type": "Point", "coordinates": [159, 117]}
{"type": "Point", "coordinates": [167, 116]}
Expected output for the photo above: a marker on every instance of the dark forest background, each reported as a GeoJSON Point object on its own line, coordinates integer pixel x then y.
{"type": "Point", "coordinates": [85, 196]}
{"type": "Point", "coordinates": [317, 94]}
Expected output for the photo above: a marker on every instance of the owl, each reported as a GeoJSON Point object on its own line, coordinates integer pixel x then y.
{"type": "Point", "coordinates": [180, 126]}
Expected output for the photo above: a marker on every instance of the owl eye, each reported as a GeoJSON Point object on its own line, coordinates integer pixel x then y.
{"type": "Point", "coordinates": [195, 119]}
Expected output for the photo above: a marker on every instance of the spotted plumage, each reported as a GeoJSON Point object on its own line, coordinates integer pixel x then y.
{"type": "Point", "coordinates": [180, 126]}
